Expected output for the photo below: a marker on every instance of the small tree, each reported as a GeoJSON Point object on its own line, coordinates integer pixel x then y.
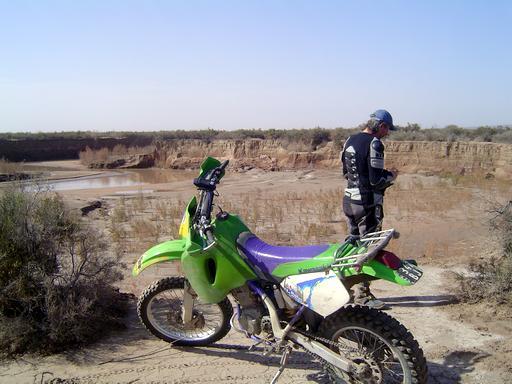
{"type": "Point", "coordinates": [56, 275]}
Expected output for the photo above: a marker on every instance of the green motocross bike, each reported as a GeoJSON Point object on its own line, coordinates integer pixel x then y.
{"type": "Point", "coordinates": [284, 297]}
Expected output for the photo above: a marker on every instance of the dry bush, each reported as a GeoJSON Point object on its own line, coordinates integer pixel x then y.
{"type": "Point", "coordinates": [56, 275]}
{"type": "Point", "coordinates": [491, 279]}
{"type": "Point", "coordinates": [8, 167]}
{"type": "Point", "coordinates": [503, 137]}
{"type": "Point", "coordinates": [86, 156]}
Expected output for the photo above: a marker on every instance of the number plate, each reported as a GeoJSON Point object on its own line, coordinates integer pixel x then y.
{"type": "Point", "coordinates": [409, 272]}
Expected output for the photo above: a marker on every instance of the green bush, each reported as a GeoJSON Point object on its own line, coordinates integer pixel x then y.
{"type": "Point", "coordinates": [315, 136]}
{"type": "Point", "coordinates": [55, 275]}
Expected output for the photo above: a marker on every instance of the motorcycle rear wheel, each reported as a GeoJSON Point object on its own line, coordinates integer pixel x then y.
{"type": "Point", "coordinates": [160, 310]}
{"type": "Point", "coordinates": [381, 348]}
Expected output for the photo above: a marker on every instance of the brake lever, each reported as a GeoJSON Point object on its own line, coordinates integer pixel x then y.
{"type": "Point", "coordinates": [209, 246]}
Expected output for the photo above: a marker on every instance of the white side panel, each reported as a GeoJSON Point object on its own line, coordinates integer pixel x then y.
{"type": "Point", "coordinates": [321, 292]}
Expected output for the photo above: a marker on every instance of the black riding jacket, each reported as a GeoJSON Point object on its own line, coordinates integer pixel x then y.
{"type": "Point", "coordinates": [363, 167]}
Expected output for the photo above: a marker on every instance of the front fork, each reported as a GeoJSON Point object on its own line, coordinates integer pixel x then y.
{"type": "Point", "coordinates": [188, 303]}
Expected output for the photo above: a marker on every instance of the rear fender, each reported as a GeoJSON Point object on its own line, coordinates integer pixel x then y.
{"type": "Point", "coordinates": [168, 251]}
{"type": "Point", "coordinates": [407, 274]}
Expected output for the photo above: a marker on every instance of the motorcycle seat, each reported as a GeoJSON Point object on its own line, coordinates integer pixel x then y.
{"type": "Point", "coordinates": [265, 258]}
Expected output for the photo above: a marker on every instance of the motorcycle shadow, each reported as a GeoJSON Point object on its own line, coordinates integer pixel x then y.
{"type": "Point", "coordinates": [454, 366]}
{"type": "Point", "coordinates": [297, 359]}
{"type": "Point", "coordinates": [420, 301]}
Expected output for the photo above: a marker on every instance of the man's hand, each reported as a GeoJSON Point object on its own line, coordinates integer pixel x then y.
{"type": "Point", "coordinates": [394, 172]}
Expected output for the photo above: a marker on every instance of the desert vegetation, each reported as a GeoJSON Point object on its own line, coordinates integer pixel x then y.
{"type": "Point", "coordinates": [6, 167]}
{"type": "Point", "coordinates": [56, 274]}
{"type": "Point", "coordinates": [295, 217]}
{"type": "Point", "coordinates": [139, 222]}
{"type": "Point", "coordinates": [490, 279]}
{"type": "Point", "coordinates": [410, 131]}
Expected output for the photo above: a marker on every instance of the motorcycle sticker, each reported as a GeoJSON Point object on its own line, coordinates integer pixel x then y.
{"type": "Point", "coordinates": [410, 272]}
{"type": "Point", "coordinates": [321, 292]}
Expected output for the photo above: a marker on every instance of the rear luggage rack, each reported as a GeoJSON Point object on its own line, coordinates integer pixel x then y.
{"type": "Point", "coordinates": [365, 249]}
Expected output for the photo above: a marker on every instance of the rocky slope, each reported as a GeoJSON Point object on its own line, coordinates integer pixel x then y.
{"type": "Point", "coordinates": [410, 156]}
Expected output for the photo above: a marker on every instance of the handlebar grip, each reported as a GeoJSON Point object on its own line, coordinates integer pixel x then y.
{"type": "Point", "coordinates": [224, 165]}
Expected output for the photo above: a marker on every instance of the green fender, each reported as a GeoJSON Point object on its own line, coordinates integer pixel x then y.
{"type": "Point", "coordinates": [169, 251]}
{"type": "Point", "coordinates": [380, 271]}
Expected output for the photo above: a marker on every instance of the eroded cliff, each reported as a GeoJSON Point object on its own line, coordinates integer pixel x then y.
{"type": "Point", "coordinates": [279, 154]}
{"type": "Point", "coordinates": [408, 156]}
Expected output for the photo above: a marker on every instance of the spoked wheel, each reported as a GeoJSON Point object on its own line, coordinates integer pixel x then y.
{"type": "Point", "coordinates": [380, 348]}
{"type": "Point", "coordinates": [171, 311]}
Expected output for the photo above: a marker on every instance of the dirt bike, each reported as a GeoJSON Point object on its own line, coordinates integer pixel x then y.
{"type": "Point", "coordinates": [285, 297]}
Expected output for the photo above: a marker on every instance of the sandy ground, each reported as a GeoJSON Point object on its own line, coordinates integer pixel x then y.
{"type": "Point", "coordinates": [463, 344]}
{"type": "Point", "coordinates": [457, 352]}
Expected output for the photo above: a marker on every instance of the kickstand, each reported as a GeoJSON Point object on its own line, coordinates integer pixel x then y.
{"type": "Point", "coordinates": [284, 359]}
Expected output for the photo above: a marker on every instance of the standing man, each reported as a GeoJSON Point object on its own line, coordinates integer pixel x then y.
{"type": "Point", "coordinates": [363, 167]}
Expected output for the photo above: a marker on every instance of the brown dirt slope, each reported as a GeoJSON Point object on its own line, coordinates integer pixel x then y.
{"type": "Point", "coordinates": [410, 156]}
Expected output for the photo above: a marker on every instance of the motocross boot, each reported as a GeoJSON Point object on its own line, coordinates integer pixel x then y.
{"type": "Point", "coordinates": [363, 296]}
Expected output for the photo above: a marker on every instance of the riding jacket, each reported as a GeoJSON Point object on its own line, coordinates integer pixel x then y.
{"type": "Point", "coordinates": [363, 167]}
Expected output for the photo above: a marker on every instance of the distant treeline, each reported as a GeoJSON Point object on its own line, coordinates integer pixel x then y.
{"type": "Point", "coordinates": [410, 132]}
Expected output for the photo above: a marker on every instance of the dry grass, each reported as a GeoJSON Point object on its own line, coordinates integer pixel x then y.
{"type": "Point", "coordinates": [139, 222]}
{"type": "Point", "coordinates": [431, 213]}
{"type": "Point", "coordinates": [8, 167]}
{"type": "Point", "coordinates": [292, 217]}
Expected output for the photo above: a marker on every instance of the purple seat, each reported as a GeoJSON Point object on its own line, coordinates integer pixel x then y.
{"type": "Point", "coordinates": [266, 257]}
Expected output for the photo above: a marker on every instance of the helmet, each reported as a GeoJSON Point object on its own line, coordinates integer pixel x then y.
{"type": "Point", "coordinates": [382, 116]}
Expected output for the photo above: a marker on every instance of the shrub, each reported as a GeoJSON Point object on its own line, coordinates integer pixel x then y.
{"type": "Point", "coordinates": [56, 275]}
{"type": "Point", "coordinates": [504, 136]}
{"type": "Point", "coordinates": [491, 280]}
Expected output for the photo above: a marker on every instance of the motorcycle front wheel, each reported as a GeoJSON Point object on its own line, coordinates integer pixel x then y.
{"type": "Point", "coordinates": [160, 308]}
{"type": "Point", "coordinates": [381, 349]}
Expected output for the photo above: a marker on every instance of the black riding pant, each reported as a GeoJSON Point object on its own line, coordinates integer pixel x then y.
{"type": "Point", "coordinates": [362, 219]}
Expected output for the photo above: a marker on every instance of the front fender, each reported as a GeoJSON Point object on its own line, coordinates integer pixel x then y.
{"type": "Point", "coordinates": [168, 251]}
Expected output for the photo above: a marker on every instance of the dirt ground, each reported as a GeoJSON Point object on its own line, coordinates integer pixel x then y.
{"type": "Point", "coordinates": [442, 226]}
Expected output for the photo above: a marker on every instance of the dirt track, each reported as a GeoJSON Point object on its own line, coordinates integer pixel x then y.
{"type": "Point", "coordinates": [463, 344]}
{"type": "Point", "coordinates": [456, 351]}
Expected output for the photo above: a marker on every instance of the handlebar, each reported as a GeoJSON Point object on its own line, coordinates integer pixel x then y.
{"type": "Point", "coordinates": [216, 173]}
{"type": "Point", "coordinates": [224, 165]}
{"type": "Point", "coordinates": [207, 186]}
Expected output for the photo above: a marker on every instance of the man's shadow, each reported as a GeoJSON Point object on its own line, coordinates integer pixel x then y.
{"type": "Point", "coordinates": [420, 301]}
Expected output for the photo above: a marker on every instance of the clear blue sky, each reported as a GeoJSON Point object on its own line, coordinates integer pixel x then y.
{"type": "Point", "coordinates": [152, 65]}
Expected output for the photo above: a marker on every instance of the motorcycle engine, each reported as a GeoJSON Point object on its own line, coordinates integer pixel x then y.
{"type": "Point", "coordinates": [251, 311]}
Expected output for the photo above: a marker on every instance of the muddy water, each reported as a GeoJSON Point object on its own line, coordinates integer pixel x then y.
{"type": "Point", "coordinates": [115, 179]}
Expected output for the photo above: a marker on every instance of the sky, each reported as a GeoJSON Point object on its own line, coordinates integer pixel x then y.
{"type": "Point", "coordinates": [165, 65]}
